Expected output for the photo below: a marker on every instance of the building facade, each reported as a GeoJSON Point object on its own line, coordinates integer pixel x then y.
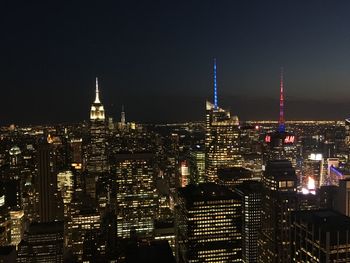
{"type": "Point", "coordinates": [208, 222]}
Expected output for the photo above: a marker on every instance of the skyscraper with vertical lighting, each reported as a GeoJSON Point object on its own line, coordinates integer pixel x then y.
{"type": "Point", "coordinates": [221, 137]}
{"type": "Point", "coordinates": [97, 157]}
{"type": "Point", "coordinates": [281, 144]}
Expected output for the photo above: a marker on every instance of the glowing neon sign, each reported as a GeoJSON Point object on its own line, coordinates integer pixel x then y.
{"type": "Point", "coordinates": [289, 139]}
{"type": "Point", "coordinates": [267, 138]}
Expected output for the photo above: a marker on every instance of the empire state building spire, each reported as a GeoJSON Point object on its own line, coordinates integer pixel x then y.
{"type": "Point", "coordinates": [97, 111]}
{"type": "Point", "coordinates": [97, 98]}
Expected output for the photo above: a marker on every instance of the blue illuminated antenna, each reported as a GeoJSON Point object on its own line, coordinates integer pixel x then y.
{"type": "Point", "coordinates": [215, 87]}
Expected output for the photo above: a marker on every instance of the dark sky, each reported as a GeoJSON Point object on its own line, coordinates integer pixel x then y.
{"type": "Point", "coordinates": [155, 57]}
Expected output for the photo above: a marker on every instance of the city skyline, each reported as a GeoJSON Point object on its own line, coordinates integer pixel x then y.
{"type": "Point", "coordinates": [153, 56]}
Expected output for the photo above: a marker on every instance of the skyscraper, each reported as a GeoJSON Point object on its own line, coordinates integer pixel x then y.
{"type": "Point", "coordinates": [280, 144]}
{"type": "Point", "coordinates": [342, 203]}
{"type": "Point", "coordinates": [136, 197]}
{"type": "Point", "coordinates": [279, 199]}
{"type": "Point", "coordinates": [208, 222]}
{"type": "Point", "coordinates": [97, 158]}
{"type": "Point", "coordinates": [43, 242]}
{"type": "Point", "coordinates": [251, 198]}
{"type": "Point", "coordinates": [46, 183]}
{"type": "Point", "coordinates": [221, 137]}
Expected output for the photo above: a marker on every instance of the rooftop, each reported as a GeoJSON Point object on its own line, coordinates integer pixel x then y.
{"type": "Point", "coordinates": [206, 192]}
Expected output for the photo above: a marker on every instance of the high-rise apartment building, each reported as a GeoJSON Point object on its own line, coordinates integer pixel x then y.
{"type": "Point", "coordinates": [208, 222]}
{"type": "Point", "coordinates": [279, 199]}
{"type": "Point", "coordinates": [136, 196]}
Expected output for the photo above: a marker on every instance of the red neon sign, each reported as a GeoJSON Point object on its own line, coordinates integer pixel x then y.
{"type": "Point", "coordinates": [289, 139]}
{"type": "Point", "coordinates": [267, 138]}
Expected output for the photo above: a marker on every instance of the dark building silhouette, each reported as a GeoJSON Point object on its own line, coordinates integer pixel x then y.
{"type": "Point", "coordinates": [8, 254]}
{"type": "Point", "coordinates": [320, 236]}
{"type": "Point", "coordinates": [233, 176]}
{"type": "Point", "coordinates": [149, 252]}
{"type": "Point", "coordinates": [43, 242]}
{"type": "Point", "coordinates": [342, 203]}
{"type": "Point", "coordinates": [279, 199]}
{"type": "Point", "coordinates": [46, 183]}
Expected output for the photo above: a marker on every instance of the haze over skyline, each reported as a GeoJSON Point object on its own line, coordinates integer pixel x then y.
{"type": "Point", "coordinates": [156, 58]}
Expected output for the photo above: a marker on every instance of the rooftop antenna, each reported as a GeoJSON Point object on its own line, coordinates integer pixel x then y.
{"type": "Point", "coordinates": [97, 98]}
{"type": "Point", "coordinates": [281, 123]}
{"type": "Point", "coordinates": [215, 87]}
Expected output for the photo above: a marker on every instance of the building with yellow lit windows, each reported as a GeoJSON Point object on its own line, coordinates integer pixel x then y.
{"type": "Point", "coordinates": [208, 224]}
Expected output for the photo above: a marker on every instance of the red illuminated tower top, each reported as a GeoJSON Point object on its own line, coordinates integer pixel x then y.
{"type": "Point", "coordinates": [281, 123]}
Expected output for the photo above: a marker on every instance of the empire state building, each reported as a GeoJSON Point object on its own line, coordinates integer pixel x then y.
{"type": "Point", "coordinates": [97, 158]}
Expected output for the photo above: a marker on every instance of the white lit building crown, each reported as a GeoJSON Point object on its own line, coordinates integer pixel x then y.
{"type": "Point", "coordinates": [97, 111]}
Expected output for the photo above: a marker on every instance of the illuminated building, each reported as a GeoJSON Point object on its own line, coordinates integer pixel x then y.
{"type": "Point", "coordinates": [330, 174]}
{"type": "Point", "coordinates": [43, 242]}
{"type": "Point", "coordinates": [279, 199]}
{"type": "Point", "coordinates": [347, 137]}
{"type": "Point", "coordinates": [122, 124]}
{"type": "Point", "coordinates": [15, 156]}
{"type": "Point", "coordinates": [250, 147]}
{"type": "Point", "coordinates": [17, 226]}
{"type": "Point", "coordinates": [82, 219]}
{"type": "Point", "coordinates": [320, 236]}
{"type": "Point", "coordinates": [65, 188]}
{"type": "Point", "coordinates": [97, 158]}
{"type": "Point", "coordinates": [136, 197]}
{"type": "Point", "coordinates": [5, 222]}
{"type": "Point", "coordinates": [208, 222]}
{"type": "Point", "coordinates": [76, 152]}
{"type": "Point", "coordinates": [281, 144]}
{"type": "Point", "coordinates": [251, 198]}
{"type": "Point", "coordinates": [221, 138]}
{"type": "Point", "coordinates": [198, 157]}
{"type": "Point", "coordinates": [184, 173]}
{"type": "Point", "coordinates": [312, 169]}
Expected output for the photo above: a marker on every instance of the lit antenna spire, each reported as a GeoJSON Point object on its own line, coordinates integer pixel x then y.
{"type": "Point", "coordinates": [97, 98]}
{"type": "Point", "coordinates": [215, 87]}
{"type": "Point", "coordinates": [281, 123]}
{"type": "Point", "coordinates": [122, 119]}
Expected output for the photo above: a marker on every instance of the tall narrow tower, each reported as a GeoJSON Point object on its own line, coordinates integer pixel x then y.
{"type": "Point", "coordinates": [221, 137]}
{"type": "Point", "coordinates": [281, 123]}
{"type": "Point", "coordinates": [97, 158]}
{"type": "Point", "coordinates": [215, 87]}
{"type": "Point", "coordinates": [122, 117]}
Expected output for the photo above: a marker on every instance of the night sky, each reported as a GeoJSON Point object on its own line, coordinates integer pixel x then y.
{"type": "Point", "coordinates": [155, 57]}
